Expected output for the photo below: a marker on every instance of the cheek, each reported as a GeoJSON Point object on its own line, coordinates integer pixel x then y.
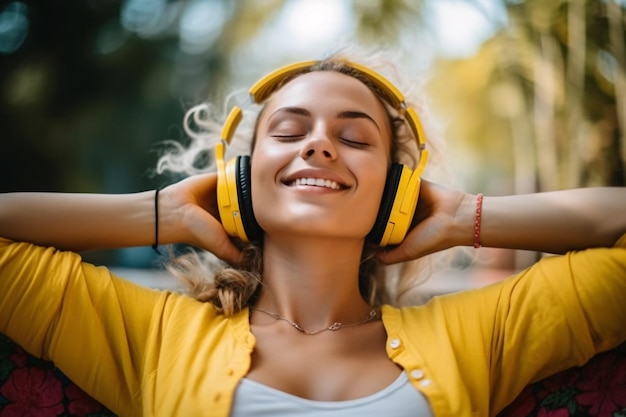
{"type": "Point", "coordinates": [263, 195]}
{"type": "Point", "coordinates": [372, 176]}
{"type": "Point", "coordinates": [259, 180]}
{"type": "Point", "coordinates": [265, 164]}
{"type": "Point", "coordinates": [377, 187]}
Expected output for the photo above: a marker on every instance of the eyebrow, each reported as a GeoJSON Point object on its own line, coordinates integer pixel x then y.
{"type": "Point", "coordinates": [293, 110]}
{"type": "Point", "coordinates": [344, 114]}
{"type": "Point", "coordinates": [352, 114]}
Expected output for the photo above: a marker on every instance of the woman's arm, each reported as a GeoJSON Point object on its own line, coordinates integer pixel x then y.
{"type": "Point", "coordinates": [78, 222]}
{"type": "Point", "coordinates": [81, 222]}
{"type": "Point", "coordinates": [554, 222]}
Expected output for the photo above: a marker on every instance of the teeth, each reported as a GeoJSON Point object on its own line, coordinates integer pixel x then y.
{"type": "Point", "coordinates": [318, 182]}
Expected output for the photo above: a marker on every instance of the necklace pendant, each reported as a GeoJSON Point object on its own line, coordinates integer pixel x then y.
{"type": "Point", "coordinates": [335, 326]}
{"type": "Point", "coordinates": [297, 326]}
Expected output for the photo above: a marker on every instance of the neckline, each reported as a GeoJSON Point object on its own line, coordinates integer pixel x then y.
{"type": "Point", "coordinates": [395, 385]}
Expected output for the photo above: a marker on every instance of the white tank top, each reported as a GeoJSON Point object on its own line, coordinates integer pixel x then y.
{"type": "Point", "coordinates": [400, 399]}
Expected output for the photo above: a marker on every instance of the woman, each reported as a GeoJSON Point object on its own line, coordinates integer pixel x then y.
{"type": "Point", "coordinates": [298, 324]}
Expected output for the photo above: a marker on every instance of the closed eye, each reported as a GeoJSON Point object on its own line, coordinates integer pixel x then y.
{"type": "Point", "coordinates": [355, 143]}
{"type": "Point", "coordinates": [287, 138]}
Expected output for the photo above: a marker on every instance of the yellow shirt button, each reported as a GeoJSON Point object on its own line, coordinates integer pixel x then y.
{"type": "Point", "coordinates": [417, 374]}
{"type": "Point", "coordinates": [426, 383]}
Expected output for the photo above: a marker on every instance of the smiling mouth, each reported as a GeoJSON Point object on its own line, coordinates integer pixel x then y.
{"type": "Point", "coordinates": [316, 182]}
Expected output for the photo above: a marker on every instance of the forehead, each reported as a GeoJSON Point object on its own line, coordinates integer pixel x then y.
{"type": "Point", "coordinates": [331, 89]}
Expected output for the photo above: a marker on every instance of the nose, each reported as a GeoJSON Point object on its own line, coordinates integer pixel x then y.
{"type": "Point", "coordinates": [318, 144]}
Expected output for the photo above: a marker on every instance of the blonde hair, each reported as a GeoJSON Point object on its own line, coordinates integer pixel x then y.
{"type": "Point", "coordinates": [229, 289]}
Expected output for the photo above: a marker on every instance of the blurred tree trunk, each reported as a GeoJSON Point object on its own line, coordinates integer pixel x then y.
{"type": "Point", "coordinates": [546, 76]}
{"type": "Point", "coordinates": [574, 91]}
{"type": "Point", "coordinates": [568, 57]}
{"type": "Point", "coordinates": [616, 37]}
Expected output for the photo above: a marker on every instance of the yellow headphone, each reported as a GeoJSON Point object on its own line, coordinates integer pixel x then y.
{"type": "Point", "coordinates": [401, 188]}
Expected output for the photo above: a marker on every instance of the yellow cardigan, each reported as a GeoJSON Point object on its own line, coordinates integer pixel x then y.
{"type": "Point", "coordinates": [143, 352]}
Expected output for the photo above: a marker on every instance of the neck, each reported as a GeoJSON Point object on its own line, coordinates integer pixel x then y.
{"type": "Point", "coordinates": [313, 282]}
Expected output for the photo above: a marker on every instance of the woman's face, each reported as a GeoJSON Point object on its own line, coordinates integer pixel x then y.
{"type": "Point", "coordinates": [321, 158]}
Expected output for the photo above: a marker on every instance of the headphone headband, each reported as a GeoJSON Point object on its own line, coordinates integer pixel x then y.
{"type": "Point", "coordinates": [261, 90]}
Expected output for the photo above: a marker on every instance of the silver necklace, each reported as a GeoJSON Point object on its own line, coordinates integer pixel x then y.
{"type": "Point", "coordinates": [333, 327]}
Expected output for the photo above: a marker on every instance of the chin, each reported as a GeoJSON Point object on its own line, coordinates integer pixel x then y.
{"type": "Point", "coordinates": [314, 225]}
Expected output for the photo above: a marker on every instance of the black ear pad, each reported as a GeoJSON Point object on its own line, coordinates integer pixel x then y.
{"type": "Point", "coordinates": [244, 196]}
{"type": "Point", "coordinates": [386, 204]}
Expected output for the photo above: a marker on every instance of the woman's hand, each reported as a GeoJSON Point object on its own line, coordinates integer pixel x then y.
{"type": "Point", "coordinates": [193, 211]}
{"type": "Point", "coordinates": [443, 219]}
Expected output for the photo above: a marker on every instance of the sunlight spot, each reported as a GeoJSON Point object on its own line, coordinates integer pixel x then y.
{"type": "Point", "coordinates": [461, 27]}
{"type": "Point", "coordinates": [13, 27]}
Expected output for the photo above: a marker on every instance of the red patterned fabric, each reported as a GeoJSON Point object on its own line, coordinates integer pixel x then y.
{"type": "Point", "coordinates": [597, 389]}
{"type": "Point", "coordinates": [31, 387]}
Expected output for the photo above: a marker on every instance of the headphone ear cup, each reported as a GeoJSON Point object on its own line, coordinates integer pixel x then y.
{"type": "Point", "coordinates": [397, 206]}
{"type": "Point", "coordinates": [386, 204]}
{"type": "Point", "coordinates": [244, 196]}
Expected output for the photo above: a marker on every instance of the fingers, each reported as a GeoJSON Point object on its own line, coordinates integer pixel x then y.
{"type": "Point", "coordinates": [427, 237]}
{"type": "Point", "coordinates": [196, 219]}
{"type": "Point", "coordinates": [409, 249]}
{"type": "Point", "coordinates": [208, 233]}
{"type": "Point", "coordinates": [392, 256]}
{"type": "Point", "coordinates": [224, 249]}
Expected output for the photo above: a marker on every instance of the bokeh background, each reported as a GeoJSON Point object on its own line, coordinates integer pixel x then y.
{"type": "Point", "coordinates": [531, 94]}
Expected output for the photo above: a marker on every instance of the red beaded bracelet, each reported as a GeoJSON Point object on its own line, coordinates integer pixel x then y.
{"type": "Point", "coordinates": [479, 213]}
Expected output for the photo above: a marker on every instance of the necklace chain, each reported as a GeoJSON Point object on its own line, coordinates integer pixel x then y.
{"type": "Point", "coordinates": [332, 328]}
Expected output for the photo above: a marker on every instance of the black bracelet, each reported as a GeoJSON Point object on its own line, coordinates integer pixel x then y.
{"type": "Point", "coordinates": [155, 245]}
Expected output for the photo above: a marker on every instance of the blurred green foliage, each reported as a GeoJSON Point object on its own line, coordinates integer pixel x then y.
{"type": "Point", "coordinates": [76, 117]}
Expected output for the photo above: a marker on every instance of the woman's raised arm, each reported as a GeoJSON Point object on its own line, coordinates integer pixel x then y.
{"type": "Point", "coordinates": [553, 222]}
{"type": "Point", "coordinates": [80, 222]}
